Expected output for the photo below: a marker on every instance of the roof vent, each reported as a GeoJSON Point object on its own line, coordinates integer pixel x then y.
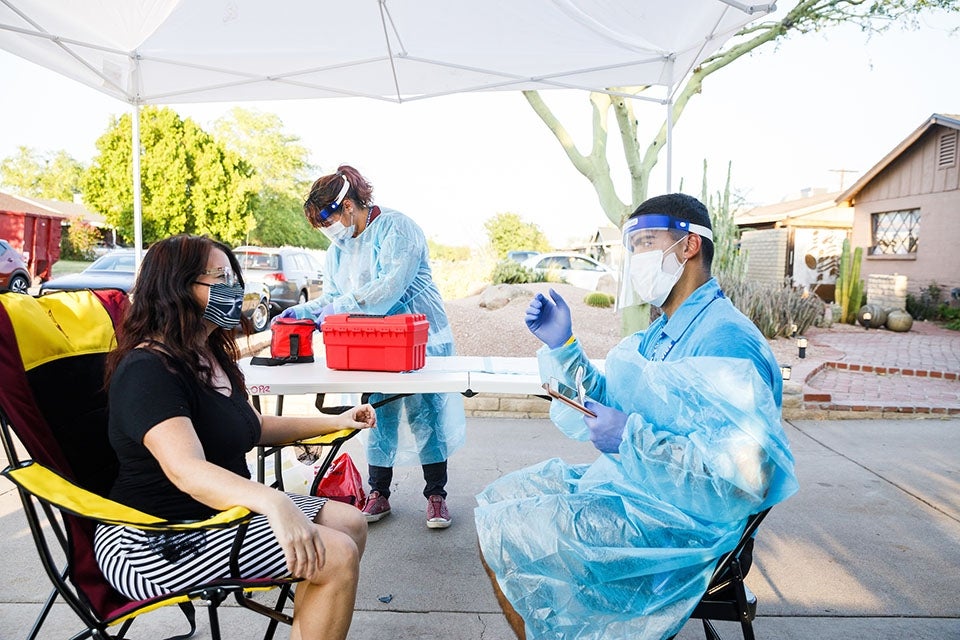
{"type": "Point", "coordinates": [947, 153]}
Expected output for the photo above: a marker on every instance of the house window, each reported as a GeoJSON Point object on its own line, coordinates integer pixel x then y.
{"type": "Point", "coordinates": [896, 232]}
{"type": "Point", "coordinates": [947, 151]}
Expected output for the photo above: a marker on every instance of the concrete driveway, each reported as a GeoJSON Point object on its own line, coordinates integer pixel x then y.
{"type": "Point", "coordinates": [869, 547]}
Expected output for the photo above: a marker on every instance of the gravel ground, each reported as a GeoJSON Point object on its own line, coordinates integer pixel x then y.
{"type": "Point", "coordinates": [501, 332]}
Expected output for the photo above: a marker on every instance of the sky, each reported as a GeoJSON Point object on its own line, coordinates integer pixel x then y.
{"type": "Point", "coordinates": [788, 117]}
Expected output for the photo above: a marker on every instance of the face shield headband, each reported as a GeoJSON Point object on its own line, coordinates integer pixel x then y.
{"type": "Point", "coordinates": [334, 206]}
{"type": "Point", "coordinates": [660, 221]}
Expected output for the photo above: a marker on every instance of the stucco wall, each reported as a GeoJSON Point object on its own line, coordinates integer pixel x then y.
{"type": "Point", "coordinates": [913, 181]}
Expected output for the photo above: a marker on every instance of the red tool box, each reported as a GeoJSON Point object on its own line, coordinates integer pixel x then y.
{"type": "Point", "coordinates": [376, 343]}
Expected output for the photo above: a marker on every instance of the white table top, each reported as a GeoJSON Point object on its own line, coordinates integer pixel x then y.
{"type": "Point", "coordinates": [441, 374]}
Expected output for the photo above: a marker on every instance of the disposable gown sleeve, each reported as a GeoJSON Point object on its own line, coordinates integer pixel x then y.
{"type": "Point", "coordinates": [330, 289]}
{"type": "Point", "coordinates": [562, 363]}
{"type": "Point", "coordinates": [399, 247]}
{"type": "Point", "coordinates": [703, 433]}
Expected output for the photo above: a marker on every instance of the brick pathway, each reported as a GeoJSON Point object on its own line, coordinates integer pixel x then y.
{"type": "Point", "coordinates": [880, 371]}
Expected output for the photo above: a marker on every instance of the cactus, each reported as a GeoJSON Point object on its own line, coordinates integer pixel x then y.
{"type": "Point", "coordinates": [849, 290]}
{"type": "Point", "coordinates": [599, 299]}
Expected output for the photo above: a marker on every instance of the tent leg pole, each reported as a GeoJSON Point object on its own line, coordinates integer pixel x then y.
{"type": "Point", "coordinates": [137, 205]}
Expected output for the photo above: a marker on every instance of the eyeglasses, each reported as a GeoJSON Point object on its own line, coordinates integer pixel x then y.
{"type": "Point", "coordinates": [229, 277]}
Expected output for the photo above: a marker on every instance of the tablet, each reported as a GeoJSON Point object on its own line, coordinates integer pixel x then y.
{"type": "Point", "coordinates": [567, 395]}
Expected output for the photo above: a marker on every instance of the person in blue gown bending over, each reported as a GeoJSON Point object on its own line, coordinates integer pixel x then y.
{"type": "Point", "coordinates": [688, 424]}
{"type": "Point", "coordinates": [378, 264]}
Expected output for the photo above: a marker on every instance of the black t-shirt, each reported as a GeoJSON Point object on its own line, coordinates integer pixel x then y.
{"type": "Point", "coordinates": [144, 392]}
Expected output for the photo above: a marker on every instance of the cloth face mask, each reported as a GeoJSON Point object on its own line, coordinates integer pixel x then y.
{"type": "Point", "coordinates": [224, 304]}
{"type": "Point", "coordinates": [653, 276]}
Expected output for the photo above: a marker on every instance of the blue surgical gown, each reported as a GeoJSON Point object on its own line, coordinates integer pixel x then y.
{"type": "Point", "coordinates": [386, 271]}
{"type": "Point", "coordinates": [624, 547]}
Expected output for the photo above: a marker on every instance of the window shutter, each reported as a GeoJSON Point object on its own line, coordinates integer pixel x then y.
{"type": "Point", "coordinates": [947, 154]}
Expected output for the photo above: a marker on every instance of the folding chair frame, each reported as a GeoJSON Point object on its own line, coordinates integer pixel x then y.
{"type": "Point", "coordinates": [55, 536]}
{"type": "Point", "coordinates": [727, 597]}
{"type": "Point", "coordinates": [77, 328]}
{"type": "Point", "coordinates": [332, 441]}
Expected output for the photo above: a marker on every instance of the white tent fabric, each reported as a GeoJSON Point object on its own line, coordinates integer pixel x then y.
{"type": "Point", "coordinates": [177, 51]}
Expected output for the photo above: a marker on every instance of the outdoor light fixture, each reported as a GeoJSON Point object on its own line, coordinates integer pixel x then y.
{"type": "Point", "coordinates": [865, 319]}
{"type": "Point", "coordinates": [793, 330]}
{"type": "Point", "coordinates": [785, 371]}
{"type": "Point", "coordinates": [802, 347]}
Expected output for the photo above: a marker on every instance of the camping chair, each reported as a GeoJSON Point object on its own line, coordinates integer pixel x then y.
{"type": "Point", "coordinates": [727, 597]}
{"type": "Point", "coordinates": [330, 442]}
{"type": "Point", "coordinates": [52, 356]}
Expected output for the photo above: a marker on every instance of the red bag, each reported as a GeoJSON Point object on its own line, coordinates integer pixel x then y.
{"type": "Point", "coordinates": [342, 482]}
{"type": "Point", "coordinates": [292, 341]}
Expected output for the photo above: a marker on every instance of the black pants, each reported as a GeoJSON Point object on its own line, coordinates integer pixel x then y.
{"type": "Point", "coordinates": [434, 478]}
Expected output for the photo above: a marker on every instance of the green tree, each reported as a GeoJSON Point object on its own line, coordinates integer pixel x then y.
{"type": "Point", "coordinates": [447, 252]}
{"type": "Point", "coordinates": [189, 182]}
{"type": "Point", "coordinates": [52, 176]}
{"type": "Point", "coordinates": [282, 177]}
{"type": "Point", "coordinates": [78, 240]}
{"type": "Point", "coordinates": [508, 232]}
{"type": "Point", "coordinates": [278, 158]}
{"type": "Point", "coordinates": [280, 221]}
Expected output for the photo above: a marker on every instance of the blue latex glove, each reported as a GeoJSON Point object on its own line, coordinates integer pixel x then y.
{"type": "Point", "coordinates": [606, 430]}
{"type": "Point", "coordinates": [326, 311]}
{"type": "Point", "coordinates": [290, 312]}
{"type": "Point", "coordinates": [549, 320]}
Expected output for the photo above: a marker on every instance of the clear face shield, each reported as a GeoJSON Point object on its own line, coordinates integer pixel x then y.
{"type": "Point", "coordinates": [650, 268]}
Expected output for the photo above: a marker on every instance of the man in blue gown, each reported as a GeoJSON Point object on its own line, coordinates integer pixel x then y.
{"type": "Point", "coordinates": [688, 423]}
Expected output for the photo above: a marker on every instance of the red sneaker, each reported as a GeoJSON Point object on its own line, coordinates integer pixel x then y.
{"type": "Point", "coordinates": [376, 507]}
{"type": "Point", "coordinates": [437, 515]}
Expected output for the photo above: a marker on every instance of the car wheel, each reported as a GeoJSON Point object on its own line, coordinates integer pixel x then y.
{"type": "Point", "coordinates": [261, 317]}
{"type": "Point", "coordinates": [19, 284]}
{"type": "Point", "coordinates": [303, 297]}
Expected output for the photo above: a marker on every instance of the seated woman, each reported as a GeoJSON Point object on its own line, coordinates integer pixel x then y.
{"type": "Point", "coordinates": [181, 424]}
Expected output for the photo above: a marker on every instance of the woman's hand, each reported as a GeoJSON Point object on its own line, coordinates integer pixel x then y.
{"type": "Point", "coordinates": [362, 416]}
{"type": "Point", "coordinates": [299, 538]}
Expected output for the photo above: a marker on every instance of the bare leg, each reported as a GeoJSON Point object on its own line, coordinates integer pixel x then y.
{"type": "Point", "coordinates": [513, 618]}
{"type": "Point", "coordinates": [323, 609]}
{"type": "Point", "coordinates": [346, 519]}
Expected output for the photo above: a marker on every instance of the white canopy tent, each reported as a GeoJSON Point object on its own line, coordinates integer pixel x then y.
{"type": "Point", "coordinates": [179, 51]}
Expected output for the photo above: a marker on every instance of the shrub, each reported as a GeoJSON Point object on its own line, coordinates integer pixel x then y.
{"type": "Point", "coordinates": [78, 240]}
{"type": "Point", "coordinates": [927, 305]}
{"type": "Point", "coordinates": [510, 272]}
{"type": "Point", "coordinates": [599, 299]}
{"type": "Point", "coordinates": [775, 308]}
{"type": "Point", "coordinates": [951, 315]}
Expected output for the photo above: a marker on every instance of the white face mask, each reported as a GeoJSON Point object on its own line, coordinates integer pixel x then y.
{"type": "Point", "coordinates": [653, 276]}
{"type": "Point", "coordinates": [338, 232]}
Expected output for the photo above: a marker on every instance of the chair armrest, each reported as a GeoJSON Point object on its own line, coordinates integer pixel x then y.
{"type": "Point", "coordinates": [52, 488]}
{"type": "Point", "coordinates": [327, 438]}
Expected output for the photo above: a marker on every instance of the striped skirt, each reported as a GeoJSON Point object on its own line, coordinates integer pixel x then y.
{"type": "Point", "coordinates": [141, 564]}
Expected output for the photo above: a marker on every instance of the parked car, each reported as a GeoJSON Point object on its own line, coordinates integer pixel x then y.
{"type": "Point", "coordinates": [520, 256]}
{"type": "Point", "coordinates": [293, 275]}
{"type": "Point", "coordinates": [13, 270]}
{"type": "Point", "coordinates": [574, 268]}
{"type": "Point", "coordinates": [116, 270]}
